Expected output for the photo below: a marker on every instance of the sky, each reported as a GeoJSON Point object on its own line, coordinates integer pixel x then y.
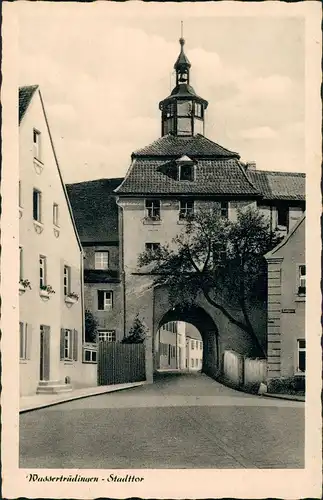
{"type": "Point", "coordinates": [102, 76]}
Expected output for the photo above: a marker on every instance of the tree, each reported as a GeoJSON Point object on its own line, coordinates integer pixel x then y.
{"type": "Point", "coordinates": [222, 259]}
{"type": "Point", "coordinates": [137, 333]}
{"type": "Point", "coordinates": [91, 326]}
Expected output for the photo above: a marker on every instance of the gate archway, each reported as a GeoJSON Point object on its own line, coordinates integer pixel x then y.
{"type": "Point", "coordinates": [198, 317]}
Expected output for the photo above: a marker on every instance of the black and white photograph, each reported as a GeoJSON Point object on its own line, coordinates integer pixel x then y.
{"type": "Point", "coordinates": [166, 190]}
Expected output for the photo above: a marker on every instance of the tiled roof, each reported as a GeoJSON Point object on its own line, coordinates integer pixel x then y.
{"type": "Point", "coordinates": [198, 146]}
{"type": "Point", "coordinates": [25, 96]}
{"type": "Point", "coordinates": [212, 177]}
{"type": "Point", "coordinates": [279, 185]}
{"type": "Point", "coordinates": [95, 210]}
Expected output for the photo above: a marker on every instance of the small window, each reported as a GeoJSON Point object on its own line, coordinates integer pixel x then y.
{"type": "Point", "coordinates": [21, 272]}
{"type": "Point", "coordinates": [68, 344]}
{"type": "Point", "coordinates": [37, 144]}
{"type": "Point", "coordinates": [282, 215]}
{"type": "Point", "coordinates": [67, 280]}
{"type": "Point", "coordinates": [89, 355]}
{"type": "Point", "coordinates": [55, 214]}
{"type": "Point", "coordinates": [197, 345]}
{"type": "Point", "coordinates": [201, 345]}
{"type": "Point", "coordinates": [224, 209]}
{"type": "Point", "coordinates": [42, 271]}
{"type": "Point", "coordinates": [19, 195]}
{"type": "Point", "coordinates": [152, 247]}
{"type": "Point", "coordinates": [105, 300]}
{"type": "Point", "coordinates": [106, 336]}
{"type": "Point", "coordinates": [186, 172]}
{"type": "Point", "coordinates": [37, 205]}
{"type": "Point", "coordinates": [192, 344]}
{"type": "Point", "coordinates": [192, 363]}
{"type": "Point", "coordinates": [302, 280]}
{"type": "Point", "coordinates": [22, 340]}
{"type": "Point", "coordinates": [186, 209]}
{"type": "Point", "coordinates": [301, 355]}
{"type": "Point", "coordinates": [101, 260]}
{"type": "Point", "coordinates": [152, 209]}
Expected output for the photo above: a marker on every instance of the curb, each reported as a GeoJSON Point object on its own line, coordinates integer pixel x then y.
{"type": "Point", "coordinates": [287, 397]}
{"type": "Point", "coordinates": [80, 396]}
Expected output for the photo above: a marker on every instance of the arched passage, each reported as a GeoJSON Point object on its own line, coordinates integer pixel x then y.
{"type": "Point", "coordinates": [199, 318]}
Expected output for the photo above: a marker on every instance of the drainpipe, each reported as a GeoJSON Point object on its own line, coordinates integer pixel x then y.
{"type": "Point", "coordinates": [82, 296]}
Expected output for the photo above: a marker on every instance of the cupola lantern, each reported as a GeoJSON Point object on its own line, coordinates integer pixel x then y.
{"type": "Point", "coordinates": [182, 113]}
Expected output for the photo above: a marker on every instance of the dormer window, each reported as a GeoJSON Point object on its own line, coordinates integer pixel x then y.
{"type": "Point", "coordinates": [186, 172]}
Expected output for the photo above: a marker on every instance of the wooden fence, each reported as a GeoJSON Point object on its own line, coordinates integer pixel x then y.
{"type": "Point", "coordinates": [120, 363]}
{"type": "Point", "coordinates": [243, 371]}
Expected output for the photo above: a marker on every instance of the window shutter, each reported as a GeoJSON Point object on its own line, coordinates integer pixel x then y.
{"type": "Point", "coordinates": [62, 343]}
{"type": "Point", "coordinates": [28, 340]}
{"type": "Point", "coordinates": [75, 344]}
{"type": "Point", "coordinates": [100, 300]}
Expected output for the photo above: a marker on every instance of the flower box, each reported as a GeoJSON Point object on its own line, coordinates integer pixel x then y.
{"type": "Point", "coordinates": [70, 300]}
{"type": "Point", "coordinates": [44, 294]}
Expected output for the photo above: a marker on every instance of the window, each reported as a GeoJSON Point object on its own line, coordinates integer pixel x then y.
{"type": "Point", "coordinates": [68, 344]}
{"type": "Point", "coordinates": [37, 205]}
{"type": "Point", "coordinates": [89, 355]}
{"type": "Point", "coordinates": [105, 300]}
{"type": "Point", "coordinates": [201, 345]}
{"type": "Point", "coordinates": [301, 361]}
{"type": "Point", "coordinates": [192, 344]}
{"type": "Point", "coordinates": [198, 110]}
{"type": "Point", "coordinates": [106, 336]}
{"type": "Point", "coordinates": [67, 280]}
{"type": "Point", "coordinates": [186, 172]}
{"type": "Point", "coordinates": [186, 209]}
{"type": "Point", "coordinates": [36, 140]}
{"type": "Point", "coordinates": [22, 340]}
{"type": "Point", "coordinates": [42, 271]}
{"type": "Point", "coordinates": [282, 215]}
{"type": "Point", "coordinates": [152, 209]}
{"type": "Point", "coordinates": [19, 194]}
{"type": "Point", "coordinates": [192, 363]}
{"type": "Point", "coordinates": [152, 247]}
{"type": "Point", "coordinates": [55, 214]}
{"type": "Point", "coordinates": [224, 209]}
{"type": "Point", "coordinates": [21, 273]}
{"type": "Point", "coordinates": [197, 345]}
{"type": "Point", "coordinates": [101, 260]}
{"type": "Point", "coordinates": [302, 280]}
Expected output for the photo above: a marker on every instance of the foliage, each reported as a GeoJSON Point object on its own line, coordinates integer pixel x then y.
{"type": "Point", "coordinates": [222, 259]}
{"type": "Point", "coordinates": [25, 283]}
{"type": "Point", "coordinates": [73, 295]}
{"type": "Point", "coordinates": [47, 288]}
{"type": "Point", "coordinates": [91, 326]}
{"type": "Point", "coordinates": [137, 333]}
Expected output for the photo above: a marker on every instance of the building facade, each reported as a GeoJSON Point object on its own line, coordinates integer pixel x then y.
{"type": "Point", "coordinates": [178, 174]}
{"type": "Point", "coordinates": [194, 349]}
{"type": "Point", "coordinates": [96, 215]}
{"type": "Point", "coordinates": [51, 262]}
{"type": "Point", "coordinates": [286, 309]}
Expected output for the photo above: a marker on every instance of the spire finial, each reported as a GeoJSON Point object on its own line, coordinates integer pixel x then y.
{"type": "Point", "coordinates": [181, 40]}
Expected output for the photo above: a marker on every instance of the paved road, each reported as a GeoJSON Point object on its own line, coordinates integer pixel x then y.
{"type": "Point", "coordinates": [182, 421]}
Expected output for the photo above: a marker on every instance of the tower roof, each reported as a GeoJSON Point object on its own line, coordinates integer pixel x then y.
{"type": "Point", "coordinates": [182, 60]}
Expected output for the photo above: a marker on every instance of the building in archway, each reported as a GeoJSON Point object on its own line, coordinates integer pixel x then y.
{"type": "Point", "coordinates": [176, 175]}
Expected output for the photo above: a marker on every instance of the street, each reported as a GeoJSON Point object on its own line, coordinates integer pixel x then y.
{"type": "Point", "coordinates": [180, 421]}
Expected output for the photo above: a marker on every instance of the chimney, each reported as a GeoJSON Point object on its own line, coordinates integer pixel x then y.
{"type": "Point", "coordinates": [251, 165]}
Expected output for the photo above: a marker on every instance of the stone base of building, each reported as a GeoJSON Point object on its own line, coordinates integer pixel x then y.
{"type": "Point", "coordinates": [52, 387]}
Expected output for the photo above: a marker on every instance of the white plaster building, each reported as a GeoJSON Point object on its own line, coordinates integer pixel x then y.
{"type": "Point", "coordinates": [51, 260]}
